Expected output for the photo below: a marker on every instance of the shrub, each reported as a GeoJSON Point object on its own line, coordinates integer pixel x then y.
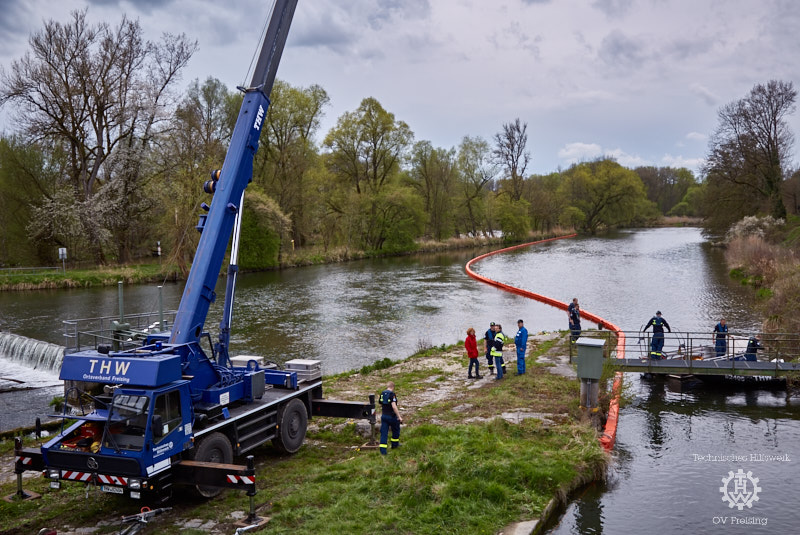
{"type": "Point", "coordinates": [761, 227]}
{"type": "Point", "coordinates": [753, 256]}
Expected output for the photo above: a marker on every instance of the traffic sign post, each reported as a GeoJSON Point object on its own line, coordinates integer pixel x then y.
{"type": "Point", "coordinates": [62, 254]}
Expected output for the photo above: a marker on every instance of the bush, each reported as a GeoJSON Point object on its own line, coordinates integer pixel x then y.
{"type": "Point", "coordinates": [260, 240]}
{"type": "Point", "coordinates": [752, 256]}
{"type": "Point", "coordinates": [760, 227]}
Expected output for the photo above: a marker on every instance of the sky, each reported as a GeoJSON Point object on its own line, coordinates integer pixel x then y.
{"type": "Point", "coordinates": [638, 80]}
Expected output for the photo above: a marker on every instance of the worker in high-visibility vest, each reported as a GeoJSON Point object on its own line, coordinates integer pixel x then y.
{"type": "Point", "coordinates": [497, 351]}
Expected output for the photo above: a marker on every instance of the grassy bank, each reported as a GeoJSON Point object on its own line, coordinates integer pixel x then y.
{"type": "Point", "coordinates": [476, 456]}
{"type": "Point", "coordinates": [769, 264]}
{"type": "Point", "coordinates": [88, 277]}
{"type": "Point", "coordinates": [155, 272]}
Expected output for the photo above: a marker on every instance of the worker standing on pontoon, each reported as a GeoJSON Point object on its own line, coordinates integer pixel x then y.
{"type": "Point", "coordinates": [657, 343]}
{"type": "Point", "coordinates": [721, 330]}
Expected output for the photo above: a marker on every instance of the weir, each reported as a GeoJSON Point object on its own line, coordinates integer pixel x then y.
{"type": "Point", "coordinates": [31, 353]}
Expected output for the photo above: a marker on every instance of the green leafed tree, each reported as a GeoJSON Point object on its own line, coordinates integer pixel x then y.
{"type": "Point", "coordinates": [476, 169]}
{"type": "Point", "coordinates": [512, 217]}
{"type": "Point", "coordinates": [262, 224]}
{"type": "Point", "coordinates": [433, 173]}
{"type": "Point", "coordinates": [183, 158]}
{"type": "Point", "coordinates": [546, 202]}
{"type": "Point", "coordinates": [666, 186]}
{"type": "Point", "coordinates": [29, 223]}
{"type": "Point", "coordinates": [606, 193]}
{"type": "Point", "coordinates": [288, 153]}
{"type": "Point", "coordinates": [366, 149]}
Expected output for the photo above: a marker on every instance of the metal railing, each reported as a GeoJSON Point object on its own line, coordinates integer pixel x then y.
{"type": "Point", "coordinates": [90, 332]}
{"type": "Point", "coordinates": [28, 270]}
{"type": "Point", "coordinates": [702, 345]}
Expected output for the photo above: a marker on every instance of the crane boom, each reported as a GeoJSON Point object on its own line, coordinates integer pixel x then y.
{"type": "Point", "coordinates": [236, 174]}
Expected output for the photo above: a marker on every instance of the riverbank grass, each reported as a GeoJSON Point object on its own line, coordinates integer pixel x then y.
{"type": "Point", "coordinates": [463, 466]}
{"type": "Point", "coordinates": [475, 456]}
{"type": "Point", "coordinates": [89, 277]}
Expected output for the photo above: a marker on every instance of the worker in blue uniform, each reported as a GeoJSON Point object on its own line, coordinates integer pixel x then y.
{"type": "Point", "coordinates": [521, 343]}
{"type": "Point", "coordinates": [390, 418]}
{"type": "Point", "coordinates": [574, 316]}
{"type": "Point", "coordinates": [497, 351]}
{"type": "Point", "coordinates": [721, 330]}
{"type": "Point", "coordinates": [488, 340]}
{"type": "Point", "coordinates": [657, 343]}
{"type": "Point", "coordinates": [753, 345]}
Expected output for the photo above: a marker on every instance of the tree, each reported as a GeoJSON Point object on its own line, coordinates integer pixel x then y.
{"type": "Point", "coordinates": [546, 202]}
{"type": "Point", "coordinates": [288, 151]}
{"type": "Point", "coordinates": [366, 149]}
{"type": "Point", "coordinates": [27, 180]}
{"type": "Point", "coordinates": [512, 216]}
{"type": "Point", "coordinates": [262, 223]}
{"type": "Point", "coordinates": [666, 186]}
{"type": "Point", "coordinates": [476, 170]}
{"type": "Point", "coordinates": [183, 157]}
{"type": "Point", "coordinates": [748, 155]}
{"type": "Point", "coordinates": [692, 203]}
{"type": "Point", "coordinates": [97, 93]}
{"type": "Point", "coordinates": [433, 174]}
{"type": "Point", "coordinates": [606, 193]}
{"type": "Point", "coordinates": [511, 155]}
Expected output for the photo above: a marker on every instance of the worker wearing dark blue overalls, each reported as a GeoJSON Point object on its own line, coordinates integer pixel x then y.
{"type": "Point", "coordinates": [753, 345]}
{"type": "Point", "coordinates": [521, 342]}
{"type": "Point", "coordinates": [390, 418]}
{"type": "Point", "coordinates": [488, 340]}
{"type": "Point", "coordinates": [574, 316]}
{"type": "Point", "coordinates": [497, 351]}
{"type": "Point", "coordinates": [721, 329]}
{"type": "Point", "coordinates": [657, 343]}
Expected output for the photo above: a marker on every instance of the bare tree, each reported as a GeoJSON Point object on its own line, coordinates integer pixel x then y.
{"type": "Point", "coordinates": [97, 93]}
{"type": "Point", "coordinates": [750, 149]}
{"type": "Point", "coordinates": [511, 155]}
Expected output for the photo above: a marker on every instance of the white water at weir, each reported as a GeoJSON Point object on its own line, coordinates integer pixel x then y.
{"type": "Point", "coordinates": [28, 379]}
{"type": "Point", "coordinates": [35, 354]}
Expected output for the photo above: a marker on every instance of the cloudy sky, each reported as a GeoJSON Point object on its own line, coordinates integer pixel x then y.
{"type": "Point", "coordinates": [640, 80]}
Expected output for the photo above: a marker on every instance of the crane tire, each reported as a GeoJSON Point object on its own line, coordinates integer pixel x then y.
{"type": "Point", "coordinates": [292, 424]}
{"type": "Point", "coordinates": [215, 448]}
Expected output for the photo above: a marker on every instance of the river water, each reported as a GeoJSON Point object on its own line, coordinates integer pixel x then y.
{"type": "Point", "coordinates": [674, 442]}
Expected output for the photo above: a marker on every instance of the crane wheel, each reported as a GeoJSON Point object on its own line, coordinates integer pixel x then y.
{"type": "Point", "coordinates": [215, 448]}
{"type": "Point", "coordinates": [292, 424]}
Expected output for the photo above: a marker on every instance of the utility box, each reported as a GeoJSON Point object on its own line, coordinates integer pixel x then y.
{"type": "Point", "coordinates": [590, 357]}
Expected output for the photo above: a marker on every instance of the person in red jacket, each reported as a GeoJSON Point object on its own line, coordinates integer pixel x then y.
{"type": "Point", "coordinates": [471, 345]}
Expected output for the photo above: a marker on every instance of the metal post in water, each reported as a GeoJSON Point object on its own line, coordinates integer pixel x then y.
{"type": "Point", "coordinates": [121, 307]}
{"type": "Point", "coordinates": [161, 325]}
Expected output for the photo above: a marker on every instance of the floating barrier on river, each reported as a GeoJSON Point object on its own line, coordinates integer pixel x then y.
{"type": "Point", "coordinates": [608, 437]}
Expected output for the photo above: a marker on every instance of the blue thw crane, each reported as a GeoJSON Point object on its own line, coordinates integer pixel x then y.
{"type": "Point", "coordinates": [172, 414]}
